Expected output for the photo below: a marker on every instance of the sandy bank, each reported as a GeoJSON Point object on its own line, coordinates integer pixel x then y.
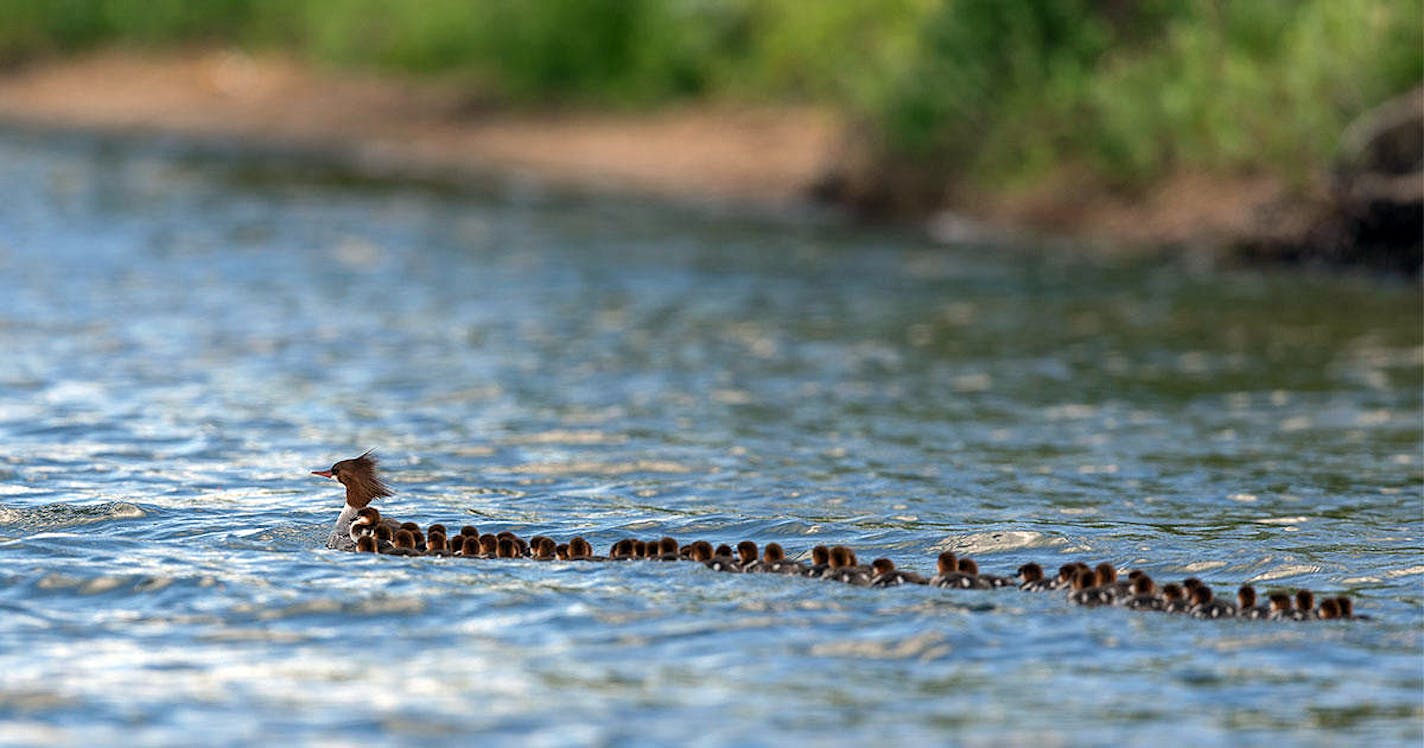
{"type": "Point", "coordinates": [397, 127]}
{"type": "Point", "coordinates": [766, 158]}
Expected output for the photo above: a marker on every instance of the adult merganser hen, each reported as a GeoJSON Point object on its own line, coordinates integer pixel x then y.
{"type": "Point", "coordinates": [363, 486]}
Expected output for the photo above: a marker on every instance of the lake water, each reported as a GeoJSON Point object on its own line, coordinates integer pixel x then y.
{"type": "Point", "coordinates": [182, 340]}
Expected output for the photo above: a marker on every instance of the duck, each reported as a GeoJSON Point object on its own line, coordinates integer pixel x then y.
{"type": "Point", "coordinates": [1087, 590]}
{"type": "Point", "coordinates": [1144, 595]}
{"type": "Point", "coordinates": [1347, 609]}
{"type": "Point", "coordinates": [1031, 578]}
{"type": "Point", "coordinates": [582, 550]}
{"type": "Point", "coordinates": [546, 550]}
{"type": "Point", "coordinates": [506, 548]}
{"type": "Point", "coordinates": [436, 545]}
{"type": "Point", "coordinates": [1281, 607]}
{"type": "Point", "coordinates": [950, 576]}
{"type": "Point", "coordinates": [385, 538]}
{"type": "Point", "coordinates": [747, 557]}
{"type": "Point", "coordinates": [1110, 588]}
{"type": "Point", "coordinates": [701, 552]}
{"type": "Point", "coordinates": [1174, 599]}
{"type": "Point", "coordinates": [960, 574]}
{"type": "Point", "coordinates": [1206, 606]}
{"type": "Point", "coordinates": [845, 569]}
{"type": "Point", "coordinates": [404, 544]}
{"type": "Point", "coordinates": [1304, 605]}
{"type": "Point", "coordinates": [884, 574]}
{"type": "Point", "coordinates": [722, 560]}
{"type": "Point", "coordinates": [366, 544]}
{"type": "Point", "coordinates": [667, 550]}
{"type": "Point", "coordinates": [363, 485]}
{"type": "Point", "coordinates": [820, 563]}
{"type": "Point", "coordinates": [364, 523]}
{"type": "Point", "coordinates": [1066, 574]}
{"type": "Point", "coordinates": [774, 561]}
{"type": "Point", "coordinates": [1329, 609]}
{"type": "Point", "coordinates": [1246, 604]}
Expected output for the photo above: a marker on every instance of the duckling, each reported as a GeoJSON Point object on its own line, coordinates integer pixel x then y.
{"type": "Point", "coordinates": [700, 552]}
{"type": "Point", "coordinates": [385, 538]}
{"type": "Point", "coordinates": [364, 523]}
{"type": "Point", "coordinates": [1109, 587]}
{"type": "Point", "coordinates": [404, 544]}
{"type": "Point", "coordinates": [1304, 605]}
{"type": "Point", "coordinates": [1144, 595]}
{"type": "Point", "coordinates": [820, 563]}
{"type": "Point", "coordinates": [949, 575]}
{"type": "Point", "coordinates": [668, 550]}
{"type": "Point", "coordinates": [489, 546]}
{"type": "Point", "coordinates": [1031, 578]}
{"type": "Point", "coordinates": [1246, 604]}
{"type": "Point", "coordinates": [747, 557]}
{"type": "Point", "coordinates": [545, 549]}
{"type": "Point", "coordinates": [724, 561]}
{"type": "Point", "coordinates": [561, 552]}
{"type": "Point", "coordinates": [1329, 609]}
{"type": "Point", "coordinates": [366, 544]}
{"type": "Point", "coordinates": [845, 569]}
{"type": "Point", "coordinates": [1174, 600]}
{"type": "Point", "coordinates": [962, 574]}
{"type": "Point", "coordinates": [582, 550]}
{"type": "Point", "coordinates": [1347, 609]}
{"type": "Point", "coordinates": [436, 545]}
{"type": "Point", "coordinates": [1087, 591]}
{"type": "Point", "coordinates": [884, 574]}
{"type": "Point", "coordinates": [1281, 607]}
{"type": "Point", "coordinates": [774, 561]}
{"type": "Point", "coordinates": [1205, 606]}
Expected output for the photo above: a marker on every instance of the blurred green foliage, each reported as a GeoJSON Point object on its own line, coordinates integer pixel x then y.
{"type": "Point", "coordinates": [992, 91]}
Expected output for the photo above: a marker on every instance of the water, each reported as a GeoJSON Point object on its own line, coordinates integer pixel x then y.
{"type": "Point", "coordinates": [183, 340]}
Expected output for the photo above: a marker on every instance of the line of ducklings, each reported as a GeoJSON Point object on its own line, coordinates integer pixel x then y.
{"type": "Point", "coordinates": [1084, 585]}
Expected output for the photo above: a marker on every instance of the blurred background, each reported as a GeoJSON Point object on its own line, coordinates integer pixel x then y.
{"type": "Point", "coordinates": [1148, 123]}
{"type": "Point", "coordinates": [904, 275]}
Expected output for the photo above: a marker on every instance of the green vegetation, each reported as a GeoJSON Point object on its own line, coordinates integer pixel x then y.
{"type": "Point", "coordinates": [988, 91]}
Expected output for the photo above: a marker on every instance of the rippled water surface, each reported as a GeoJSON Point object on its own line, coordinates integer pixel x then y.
{"type": "Point", "coordinates": [181, 341]}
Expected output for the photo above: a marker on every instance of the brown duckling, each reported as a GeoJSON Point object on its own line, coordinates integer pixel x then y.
{"type": "Point", "coordinates": [820, 562]}
{"type": "Point", "coordinates": [884, 574]}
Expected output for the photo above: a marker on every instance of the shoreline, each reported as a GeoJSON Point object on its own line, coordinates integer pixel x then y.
{"type": "Point", "coordinates": [768, 160]}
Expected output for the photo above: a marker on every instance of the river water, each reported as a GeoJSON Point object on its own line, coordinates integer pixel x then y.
{"type": "Point", "coordinates": [183, 339]}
